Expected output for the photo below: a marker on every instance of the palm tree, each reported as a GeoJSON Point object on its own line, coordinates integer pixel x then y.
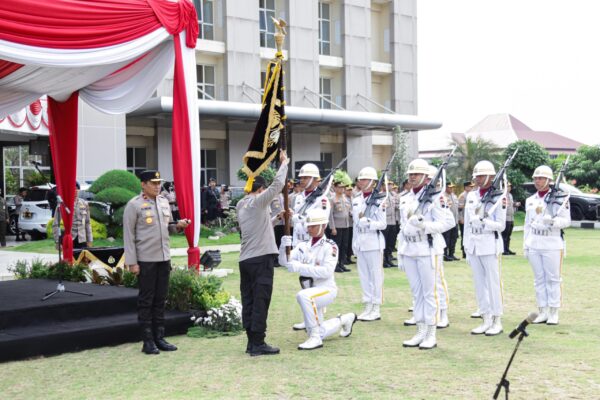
{"type": "Point", "coordinates": [468, 153]}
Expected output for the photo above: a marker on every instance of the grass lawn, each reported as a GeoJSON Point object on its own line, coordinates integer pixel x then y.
{"type": "Point", "coordinates": [554, 362]}
{"type": "Point", "coordinates": [47, 245]}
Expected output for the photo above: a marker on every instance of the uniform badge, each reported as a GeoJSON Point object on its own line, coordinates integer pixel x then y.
{"type": "Point", "coordinates": [538, 209]}
{"type": "Point", "coordinates": [148, 220]}
{"type": "Point", "coordinates": [145, 205]}
{"type": "Point", "coordinates": [504, 202]}
{"type": "Point", "coordinates": [148, 213]}
{"type": "Point", "coordinates": [111, 260]}
{"type": "Point", "coordinates": [334, 251]}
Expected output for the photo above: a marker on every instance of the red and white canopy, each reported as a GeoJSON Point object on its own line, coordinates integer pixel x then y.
{"type": "Point", "coordinates": [112, 54]}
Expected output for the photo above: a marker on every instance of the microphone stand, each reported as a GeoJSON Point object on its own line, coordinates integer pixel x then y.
{"type": "Point", "coordinates": [60, 286]}
{"type": "Point", "coordinates": [504, 383]}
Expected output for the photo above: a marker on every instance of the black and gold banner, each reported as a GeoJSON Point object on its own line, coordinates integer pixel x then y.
{"type": "Point", "coordinates": [270, 126]}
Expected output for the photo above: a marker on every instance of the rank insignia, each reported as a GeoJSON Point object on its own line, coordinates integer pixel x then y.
{"type": "Point", "coordinates": [148, 213]}
{"type": "Point", "coordinates": [334, 251]}
{"type": "Point", "coordinates": [145, 205]}
{"type": "Point", "coordinates": [148, 220]}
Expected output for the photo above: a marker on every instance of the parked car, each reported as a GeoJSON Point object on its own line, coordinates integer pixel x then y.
{"type": "Point", "coordinates": [35, 212]}
{"type": "Point", "coordinates": [583, 205]}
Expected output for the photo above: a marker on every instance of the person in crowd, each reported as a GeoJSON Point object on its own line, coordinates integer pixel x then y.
{"type": "Point", "coordinates": [420, 250]}
{"type": "Point", "coordinates": [146, 228]}
{"type": "Point", "coordinates": [368, 244]}
{"type": "Point", "coordinates": [257, 258]}
{"type": "Point", "coordinates": [224, 200]}
{"type": "Point", "coordinates": [81, 230]}
{"type": "Point", "coordinates": [210, 201]}
{"type": "Point", "coordinates": [451, 235]}
{"type": "Point", "coordinates": [544, 243]}
{"type": "Point", "coordinates": [462, 200]}
{"type": "Point", "coordinates": [349, 191]}
{"type": "Point", "coordinates": [510, 221]}
{"type": "Point", "coordinates": [340, 223]}
{"type": "Point", "coordinates": [18, 199]}
{"type": "Point", "coordinates": [315, 260]}
{"type": "Point", "coordinates": [4, 220]}
{"type": "Point", "coordinates": [389, 233]}
{"type": "Point", "coordinates": [168, 192]}
{"type": "Point", "coordinates": [484, 224]}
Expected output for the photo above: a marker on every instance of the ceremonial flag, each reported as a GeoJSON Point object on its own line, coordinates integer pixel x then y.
{"type": "Point", "coordinates": [265, 141]}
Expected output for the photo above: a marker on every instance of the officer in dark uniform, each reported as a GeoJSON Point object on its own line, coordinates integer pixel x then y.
{"type": "Point", "coordinates": [146, 228]}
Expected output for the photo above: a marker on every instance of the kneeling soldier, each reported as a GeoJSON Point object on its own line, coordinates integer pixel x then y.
{"type": "Point", "coordinates": [315, 260]}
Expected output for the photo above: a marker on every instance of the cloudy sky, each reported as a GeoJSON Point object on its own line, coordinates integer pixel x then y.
{"type": "Point", "coordinates": [538, 60]}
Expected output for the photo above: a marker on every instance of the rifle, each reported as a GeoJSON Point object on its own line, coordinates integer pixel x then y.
{"type": "Point", "coordinates": [495, 189]}
{"type": "Point", "coordinates": [322, 188]}
{"type": "Point", "coordinates": [555, 192]}
{"type": "Point", "coordinates": [372, 202]}
{"type": "Point", "coordinates": [426, 196]}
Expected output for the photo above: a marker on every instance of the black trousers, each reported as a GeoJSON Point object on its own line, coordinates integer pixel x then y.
{"type": "Point", "coordinates": [77, 245]}
{"type": "Point", "coordinates": [451, 237]}
{"type": "Point", "coordinates": [349, 252]}
{"type": "Point", "coordinates": [3, 233]}
{"type": "Point", "coordinates": [389, 234]}
{"type": "Point", "coordinates": [341, 239]}
{"type": "Point", "coordinates": [154, 284]}
{"type": "Point", "coordinates": [506, 234]}
{"type": "Point", "coordinates": [278, 229]}
{"type": "Point", "coordinates": [256, 287]}
{"type": "Point", "coordinates": [461, 227]}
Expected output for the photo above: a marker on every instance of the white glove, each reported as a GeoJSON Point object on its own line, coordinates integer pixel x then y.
{"type": "Point", "coordinates": [416, 221]}
{"type": "Point", "coordinates": [291, 266]}
{"type": "Point", "coordinates": [548, 220]}
{"type": "Point", "coordinates": [363, 222]}
{"type": "Point", "coordinates": [476, 222]}
{"type": "Point", "coordinates": [538, 226]}
{"type": "Point", "coordinates": [286, 241]}
{"type": "Point", "coordinates": [296, 218]}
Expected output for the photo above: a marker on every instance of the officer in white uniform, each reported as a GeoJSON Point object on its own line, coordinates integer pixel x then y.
{"type": "Point", "coordinates": [484, 224]}
{"type": "Point", "coordinates": [315, 261]}
{"type": "Point", "coordinates": [309, 180]}
{"type": "Point", "coordinates": [368, 244]}
{"type": "Point", "coordinates": [421, 247]}
{"type": "Point", "coordinates": [544, 245]}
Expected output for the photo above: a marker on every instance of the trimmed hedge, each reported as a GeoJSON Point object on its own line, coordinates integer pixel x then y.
{"type": "Point", "coordinates": [118, 178]}
{"type": "Point", "coordinates": [115, 196]}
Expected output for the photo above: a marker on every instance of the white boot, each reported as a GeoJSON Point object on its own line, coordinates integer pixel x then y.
{"type": "Point", "coordinates": [410, 322]}
{"type": "Point", "coordinates": [542, 316]}
{"type": "Point", "coordinates": [496, 327]}
{"type": "Point", "coordinates": [314, 341]}
{"type": "Point", "coordinates": [476, 314]}
{"type": "Point", "coordinates": [552, 316]}
{"type": "Point", "coordinates": [443, 321]}
{"type": "Point", "coordinates": [485, 325]}
{"type": "Point", "coordinates": [348, 321]}
{"type": "Point", "coordinates": [418, 338]}
{"type": "Point", "coordinates": [375, 314]}
{"type": "Point", "coordinates": [299, 326]}
{"type": "Point", "coordinates": [429, 342]}
{"type": "Point", "coordinates": [368, 308]}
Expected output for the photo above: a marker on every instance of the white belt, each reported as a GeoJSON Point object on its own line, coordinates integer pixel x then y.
{"type": "Point", "coordinates": [414, 239]}
{"type": "Point", "coordinates": [476, 231]}
{"type": "Point", "coordinates": [544, 232]}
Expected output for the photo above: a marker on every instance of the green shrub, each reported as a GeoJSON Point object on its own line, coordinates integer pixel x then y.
{"type": "Point", "coordinates": [78, 272]}
{"type": "Point", "coordinates": [117, 178]}
{"type": "Point", "coordinates": [115, 196]}
{"type": "Point", "coordinates": [269, 174]}
{"type": "Point", "coordinates": [98, 229]}
{"type": "Point", "coordinates": [117, 216]}
{"type": "Point", "coordinates": [99, 214]}
{"type": "Point", "coordinates": [130, 280]}
{"type": "Point", "coordinates": [190, 290]}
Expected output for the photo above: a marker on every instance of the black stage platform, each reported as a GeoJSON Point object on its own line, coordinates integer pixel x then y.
{"type": "Point", "coordinates": [67, 322]}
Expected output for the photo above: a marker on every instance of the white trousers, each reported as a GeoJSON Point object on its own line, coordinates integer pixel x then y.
{"type": "Point", "coordinates": [442, 286]}
{"type": "Point", "coordinates": [312, 301]}
{"type": "Point", "coordinates": [370, 273]}
{"type": "Point", "coordinates": [547, 280]}
{"type": "Point", "coordinates": [422, 276]}
{"type": "Point", "coordinates": [487, 278]}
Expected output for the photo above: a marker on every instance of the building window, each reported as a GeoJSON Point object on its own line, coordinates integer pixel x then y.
{"type": "Point", "coordinates": [324, 29]}
{"type": "Point", "coordinates": [204, 9]}
{"type": "Point", "coordinates": [18, 168]}
{"type": "Point", "coordinates": [327, 162]}
{"type": "Point", "coordinates": [266, 10]}
{"type": "Point", "coordinates": [136, 160]}
{"type": "Point", "coordinates": [206, 81]}
{"type": "Point", "coordinates": [208, 166]}
{"type": "Point", "coordinates": [325, 92]}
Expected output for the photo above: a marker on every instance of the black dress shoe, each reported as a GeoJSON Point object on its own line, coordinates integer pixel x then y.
{"type": "Point", "coordinates": [505, 253]}
{"type": "Point", "coordinates": [446, 258]}
{"type": "Point", "coordinates": [161, 343]}
{"type": "Point", "coordinates": [512, 253]}
{"type": "Point", "coordinates": [263, 350]}
{"type": "Point", "coordinates": [149, 346]}
{"type": "Point", "coordinates": [346, 269]}
{"type": "Point", "coordinates": [454, 258]}
{"type": "Point", "coordinates": [338, 268]}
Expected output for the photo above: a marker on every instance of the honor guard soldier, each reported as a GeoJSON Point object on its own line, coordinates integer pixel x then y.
{"type": "Point", "coordinates": [544, 244]}
{"type": "Point", "coordinates": [389, 233]}
{"type": "Point", "coordinates": [82, 227]}
{"type": "Point", "coordinates": [420, 251]}
{"type": "Point", "coordinates": [368, 245]}
{"type": "Point", "coordinates": [315, 260]}
{"type": "Point", "coordinates": [484, 224]}
{"type": "Point", "coordinates": [451, 235]}
{"type": "Point", "coordinates": [257, 258]}
{"type": "Point", "coordinates": [146, 228]}
{"type": "Point", "coordinates": [340, 223]}
{"type": "Point", "coordinates": [309, 180]}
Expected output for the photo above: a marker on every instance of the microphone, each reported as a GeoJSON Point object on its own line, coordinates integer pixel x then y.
{"type": "Point", "coordinates": [523, 325]}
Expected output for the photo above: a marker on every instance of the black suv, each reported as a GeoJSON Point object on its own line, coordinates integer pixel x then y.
{"type": "Point", "coordinates": [583, 205]}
